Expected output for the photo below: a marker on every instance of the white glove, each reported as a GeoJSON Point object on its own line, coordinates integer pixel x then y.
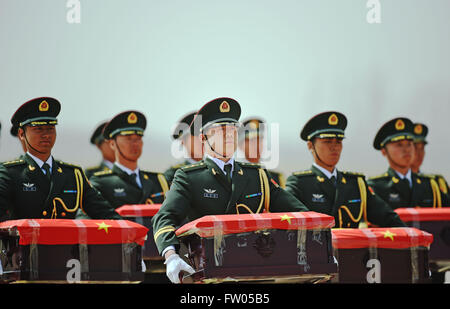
{"type": "Point", "coordinates": [175, 264]}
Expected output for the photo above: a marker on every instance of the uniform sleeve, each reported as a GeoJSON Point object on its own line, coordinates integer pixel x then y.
{"type": "Point", "coordinates": [282, 200]}
{"type": "Point", "coordinates": [172, 213]}
{"type": "Point", "coordinates": [380, 213]}
{"type": "Point", "coordinates": [94, 205]}
{"type": "Point", "coordinates": [293, 187]}
{"type": "Point", "coordinates": [5, 193]}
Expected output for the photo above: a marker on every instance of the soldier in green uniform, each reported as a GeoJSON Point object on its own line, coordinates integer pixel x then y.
{"type": "Point", "coordinates": [37, 185]}
{"type": "Point", "coordinates": [216, 185]}
{"type": "Point", "coordinates": [399, 186]}
{"type": "Point", "coordinates": [323, 188]}
{"type": "Point", "coordinates": [102, 144]}
{"type": "Point", "coordinates": [420, 133]}
{"type": "Point", "coordinates": [126, 183]}
{"type": "Point", "coordinates": [251, 143]}
{"type": "Point", "coordinates": [191, 143]}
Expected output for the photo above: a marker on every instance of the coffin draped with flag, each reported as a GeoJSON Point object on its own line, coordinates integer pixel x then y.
{"type": "Point", "coordinates": [435, 221]}
{"type": "Point", "coordinates": [275, 247]}
{"type": "Point", "coordinates": [64, 250]}
{"type": "Point", "coordinates": [382, 255]}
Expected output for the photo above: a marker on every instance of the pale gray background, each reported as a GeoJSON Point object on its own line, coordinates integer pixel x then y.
{"type": "Point", "coordinates": [282, 60]}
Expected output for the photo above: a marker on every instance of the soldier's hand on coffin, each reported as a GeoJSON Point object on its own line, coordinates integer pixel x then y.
{"type": "Point", "coordinates": [175, 264]}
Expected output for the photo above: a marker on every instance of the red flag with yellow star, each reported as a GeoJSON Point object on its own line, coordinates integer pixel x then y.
{"type": "Point", "coordinates": [394, 238]}
{"type": "Point", "coordinates": [65, 231]}
{"type": "Point", "coordinates": [207, 226]}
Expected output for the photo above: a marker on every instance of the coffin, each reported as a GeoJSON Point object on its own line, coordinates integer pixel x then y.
{"type": "Point", "coordinates": [268, 247]}
{"type": "Point", "coordinates": [382, 255]}
{"type": "Point", "coordinates": [71, 251]}
{"type": "Point", "coordinates": [143, 214]}
{"type": "Point", "coordinates": [154, 262]}
{"type": "Point", "coordinates": [435, 221]}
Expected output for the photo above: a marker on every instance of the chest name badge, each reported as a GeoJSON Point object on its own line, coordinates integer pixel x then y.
{"type": "Point", "coordinates": [119, 192]}
{"type": "Point", "coordinates": [318, 198]}
{"type": "Point", "coordinates": [210, 193]}
{"type": "Point", "coordinates": [394, 197]}
{"type": "Point", "coordinates": [27, 187]}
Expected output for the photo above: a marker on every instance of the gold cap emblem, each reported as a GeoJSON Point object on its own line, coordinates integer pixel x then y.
{"type": "Point", "coordinates": [132, 118]}
{"type": "Point", "coordinates": [418, 129]}
{"type": "Point", "coordinates": [224, 107]}
{"type": "Point", "coordinates": [399, 125]}
{"type": "Point", "coordinates": [333, 120]}
{"type": "Point", "coordinates": [43, 107]}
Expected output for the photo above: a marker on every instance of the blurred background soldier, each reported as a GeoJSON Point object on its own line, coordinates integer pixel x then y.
{"type": "Point", "coordinates": [107, 152]}
{"type": "Point", "coordinates": [191, 143]}
{"type": "Point", "coordinates": [420, 141]}
{"type": "Point", "coordinates": [400, 186]}
{"type": "Point", "coordinates": [252, 142]}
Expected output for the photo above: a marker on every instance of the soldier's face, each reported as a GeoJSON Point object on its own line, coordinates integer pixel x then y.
{"type": "Point", "coordinates": [41, 138]}
{"type": "Point", "coordinates": [419, 154]}
{"type": "Point", "coordinates": [129, 145]}
{"type": "Point", "coordinates": [222, 139]}
{"type": "Point", "coordinates": [327, 149]}
{"type": "Point", "coordinates": [400, 153]}
{"type": "Point", "coordinates": [107, 151]}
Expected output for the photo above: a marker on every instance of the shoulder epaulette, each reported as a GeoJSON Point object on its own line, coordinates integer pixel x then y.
{"type": "Point", "coordinates": [303, 173]}
{"type": "Point", "coordinates": [13, 163]}
{"type": "Point", "coordinates": [193, 167]}
{"type": "Point", "coordinates": [379, 176]}
{"type": "Point", "coordinates": [347, 173]}
{"type": "Point", "coordinates": [69, 164]}
{"type": "Point", "coordinates": [92, 168]}
{"type": "Point", "coordinates": [427, 175]}
{"type": "Point", "coordinates": [102, 173]}
{"type": "Point", "coordinates": [251, 165]}
{"type": "Point", "coordinates": [177, 166]}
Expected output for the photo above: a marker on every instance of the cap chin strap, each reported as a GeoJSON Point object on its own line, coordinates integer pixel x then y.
{"type": "Point", "coordinates": [121, 153]}
{"type": "Point", "coordinates": [28, 143]}
{"type": "Point", "coordinates": [317, 154]}
{"type": "Point", "coordinates": [221, 155]}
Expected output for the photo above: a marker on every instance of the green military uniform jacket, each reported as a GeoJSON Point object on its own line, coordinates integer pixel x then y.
{"type": "Point", "coordinates": [170, 172]}
{"type": "Point", "coordinates": [119, 188]}
{"type": "Point", "coordinates": [425, 191]}
{"type": "Point", "coordinates": [26, 193]}
{"type": "Point", "coordinates": [90, 171]}
{"type": "Point", "coordinates": [278, 178]}
{"type": "Point", "coordinates": [350, 202]}
{"type": "Point", "coordinates": [202, 189]}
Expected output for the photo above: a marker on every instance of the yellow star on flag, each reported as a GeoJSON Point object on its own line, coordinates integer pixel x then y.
{"type": "Point", "coordinates": [103, 226]}
{"type": "Point", "coordinates": [286, 218]}
{"type": "Point", "coordinates": [389, 234]}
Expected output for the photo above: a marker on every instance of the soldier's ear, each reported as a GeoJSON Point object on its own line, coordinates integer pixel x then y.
{"type": "Point", "coordinates": [112, 144]}
{"type": "Point", "coordinates": [309, 144]}
{"type": "Point", "coordinates": [21, 133]}
{"type": "Point", "coordinates": [384, 151]}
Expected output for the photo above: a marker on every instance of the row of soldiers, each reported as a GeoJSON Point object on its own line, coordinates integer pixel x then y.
{"type": "Point", "coordinates": [211, 181]}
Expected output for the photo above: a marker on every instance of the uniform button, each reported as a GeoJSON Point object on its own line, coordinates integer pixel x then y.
{"type": "Point", "coordinates": [44, 213]}
{"type": "Point", "coordinates": [63, 214]}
